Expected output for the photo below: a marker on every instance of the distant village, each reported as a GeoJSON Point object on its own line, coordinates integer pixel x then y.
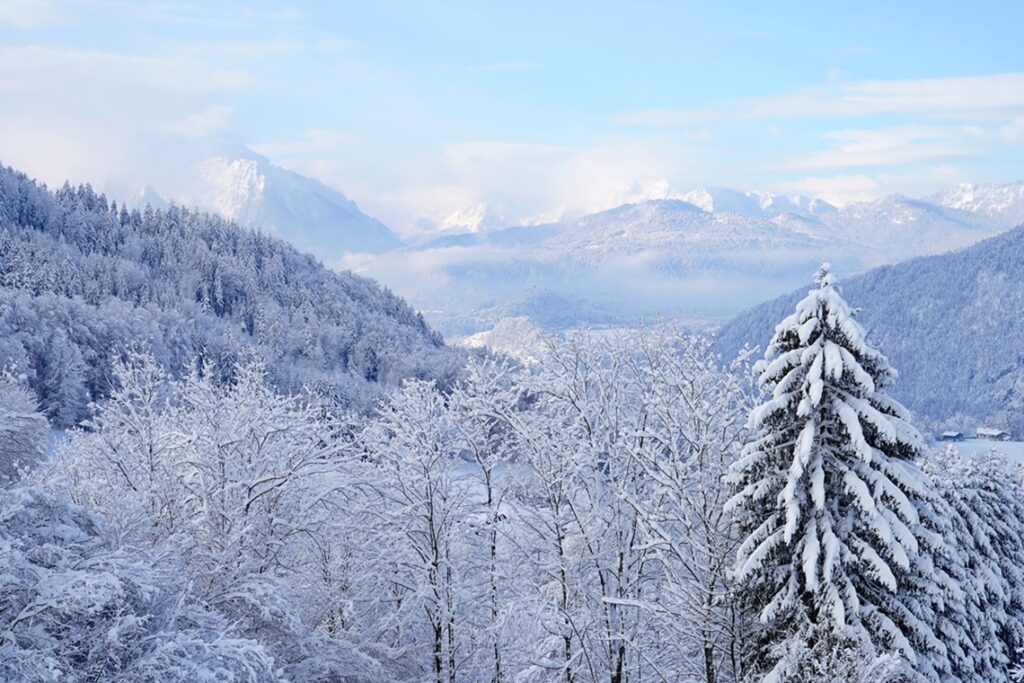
{"type": "Point", "coordinates": [981, 433]}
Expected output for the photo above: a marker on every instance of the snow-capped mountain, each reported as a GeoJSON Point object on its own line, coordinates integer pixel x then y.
{"type": "Point", "coordinates": [658, 257]}
{"type": "Point", "coordinates": [756, 203]}
{"type": "Point", "coordinates": [1004, 203]}
{"type": "Point", "coordinates": [148, 195]}
{"type": "Point", "coordinates": [475, 218]}
{"type": "Point", "coordinates": [704, 255]}
{"type": "Point", "coordinates": [482, 217]}
{"type": "Point", "coordinates": [900, 227]}
{"type": "Point", "coordinates": [246, 187]}
{"type": "Point", "coordinates": [702, 258]}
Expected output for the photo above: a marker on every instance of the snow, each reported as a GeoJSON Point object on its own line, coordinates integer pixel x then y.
{"type": "Point", "coordinates": [1013, 450]}
{"type": "Point", "coordinates": [949, 322]}
{"type": "Point", "coordinates": [246, 187]}
{"type": "Point", "coordinates": [515, 337]}
{"type": "Point", "coordinates": [755, 203]}
{"type": "Point", "coordinates": [704, 255]}
{"type": "Point", "coordinates": [83, 282]}
{"type": "Point", "coordinates": [598, 434]}
{"type": "Point", "coordinates": [989, 200]}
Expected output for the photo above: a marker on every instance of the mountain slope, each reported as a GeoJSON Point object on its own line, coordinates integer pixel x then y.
{"type": "Point", "coordinates": [951, 324]}
{"type": "Point", "coordinates": [763, 204]}
{"type": "Point", "coordinates": [1004, 203]}
{"type": "Point", "coordinates": [82, 280]}
{"type": "Point", "coordinates": [258, 194]}
{"type": "Point", "coordinates": [703, 259]}
{"type": "Point", "coordinates": [901, 227]}
{"type": "Point", "coordinates": [245, 187]}
{"type": "Point", "coordinates": [658, 257]}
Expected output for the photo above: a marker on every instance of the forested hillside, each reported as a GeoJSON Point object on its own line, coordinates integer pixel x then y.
{"type": "Point", "coordinates": [951, 324]}
{"type": "Point", "coordinates": [82, 280]}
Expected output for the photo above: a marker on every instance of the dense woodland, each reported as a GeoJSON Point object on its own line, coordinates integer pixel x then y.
{"type": "Point", "coordinates": [83, 280]}
{"type": "Point", "coordinates": [609, 515]}
{"type": "Point", "coordinates": [332, 495]}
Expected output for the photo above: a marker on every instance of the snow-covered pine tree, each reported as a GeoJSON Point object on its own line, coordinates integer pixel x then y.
{"type": "Point", "coordinates": [984, 514]}
{"type": "Point", "coordinates": [828, 498]}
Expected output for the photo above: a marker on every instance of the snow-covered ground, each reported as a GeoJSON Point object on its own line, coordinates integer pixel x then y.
{"type": "Point", "coordinates": [1014, 450]}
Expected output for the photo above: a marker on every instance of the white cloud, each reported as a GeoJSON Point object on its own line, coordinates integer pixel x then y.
{"type": "Point", "coordinates": [53, 148]}
{"type": "Point", "coordinates": [894, 146]}
{"type": "Point", "coordinates": [963, 97]}
{"type": "Point", "coordinates": [490, 183]}
{"type": "Point", "coordinates": [1012, 131]}
{"type": "Point", "coordinates": [29, 13]}
{"type": "Point", "coordinates": [92, 116]}
{"type": "Point", "coordinates": [212, 120]}
{"type": "Point", "coordinates": [952, 119]}
{"type": "Point", "coordinates": [527, 184]}
{"type": "Point", "coordinates": [836, 190]}
{"type": "Point", "coordinates": [43, 69]}
{"type": "Point", "coordinates": [842, 189]}
{"type": "Point", "coordinates": [311, 143]}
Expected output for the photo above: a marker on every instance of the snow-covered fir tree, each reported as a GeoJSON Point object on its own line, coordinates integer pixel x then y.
{"type": "Point", "coordinates": [829, 500]}
{"type": "Point", "coordinates": [983, 511]}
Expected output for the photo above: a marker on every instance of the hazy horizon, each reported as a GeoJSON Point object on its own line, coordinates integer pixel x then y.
{"type": "Point", "coordinates": [421, 116]}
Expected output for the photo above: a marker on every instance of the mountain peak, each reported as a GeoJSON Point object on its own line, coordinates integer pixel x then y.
{"type": "Point", "coordinates": [756, 203]}
{"type": "Point", "coordinates": [246, 187]}
{"type": "Point", "coordinates": [474, 218]}
{"type": "Point", "coordinates": [993, 200]}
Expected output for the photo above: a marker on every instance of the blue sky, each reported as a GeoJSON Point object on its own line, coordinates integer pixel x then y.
{"type": "Point", "coordinates": [419, 110]}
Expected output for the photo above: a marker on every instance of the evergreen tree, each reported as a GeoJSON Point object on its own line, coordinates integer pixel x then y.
{"type": "Point", "coordinates": [830, 501]}
{"type": "Point", "coordinates": [61, 379]}
{"type": "Point", "coordinates": [983, 506]}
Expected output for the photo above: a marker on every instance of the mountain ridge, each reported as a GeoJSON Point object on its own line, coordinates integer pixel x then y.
{"type": "Point", "coordinates": [703, 255]}
{"type": "Point", "coordinates": [663, 257]}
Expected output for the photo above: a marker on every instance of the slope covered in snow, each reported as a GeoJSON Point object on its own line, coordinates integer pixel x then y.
{"type": "Point", "coordinates": [755, 203]}
{"type": "Point", "coordinates": [951, 323]}
{"type": "Point", "coordinates": [1003, 203]}
{"type": "Point", "coordinates": [701, 258]}
{"type": "Point", "coordinates": [659, 257]}
{"type": "Point", "coordinates": [83, 281]}
{"type": "Point", "coordinates": [247, 188]}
